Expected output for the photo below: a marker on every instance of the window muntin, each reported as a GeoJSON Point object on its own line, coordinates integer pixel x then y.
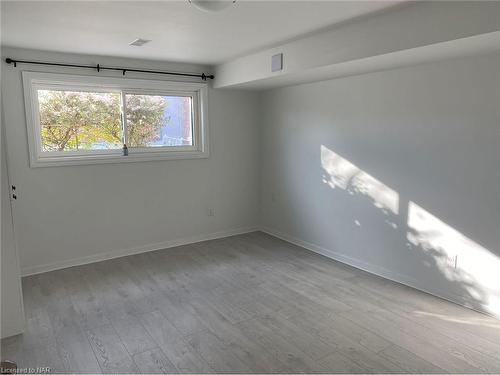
{"type": "Point", "coordinates": [86, 119]}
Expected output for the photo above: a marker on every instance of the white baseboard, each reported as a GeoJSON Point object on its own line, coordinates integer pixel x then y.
{"type": "Point", "coordinates": [26, 271]}
{"type": "Point", "coordinates": [374, 269]}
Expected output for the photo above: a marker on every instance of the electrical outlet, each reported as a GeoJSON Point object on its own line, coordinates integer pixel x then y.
{"type": "Point", "coordinates": [210, 212]}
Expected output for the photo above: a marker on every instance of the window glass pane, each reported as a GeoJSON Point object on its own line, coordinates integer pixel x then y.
{"type": "Point", "coordinates": [159, 120]}
{"type": "Point", "coordinates": [78, 120]}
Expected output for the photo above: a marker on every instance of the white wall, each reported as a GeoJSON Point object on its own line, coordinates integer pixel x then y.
{"type": "Point", "coordinates": [396, 172]}
{"type": "Point", "coordinates": [12, 315]}
{"type": "Point", "coordinates": [66, 215]}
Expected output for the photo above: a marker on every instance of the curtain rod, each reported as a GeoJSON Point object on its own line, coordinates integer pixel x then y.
{"type": "Point", "coordinates": [98, 67]}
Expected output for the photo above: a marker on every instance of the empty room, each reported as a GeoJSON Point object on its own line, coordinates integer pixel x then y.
{"type": "Point", "coordinates": [250, 187]}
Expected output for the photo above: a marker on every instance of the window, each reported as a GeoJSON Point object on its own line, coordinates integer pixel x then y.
{"type": "Point", "coordinates": [79, 120]}
{"type": "Point", "coordinates": [159, 120]}
{"type": "Point", "coordinates": [84, 119]}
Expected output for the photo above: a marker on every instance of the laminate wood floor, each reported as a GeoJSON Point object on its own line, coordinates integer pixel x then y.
{"type": "Point", "coordinates": [245, 304]}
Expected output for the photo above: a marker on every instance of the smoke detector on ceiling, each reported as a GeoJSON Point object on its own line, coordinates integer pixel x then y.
{"type": "Point", "coordinates": [212, 5]}
{"type": "Point", "coordinates": [139, 42]}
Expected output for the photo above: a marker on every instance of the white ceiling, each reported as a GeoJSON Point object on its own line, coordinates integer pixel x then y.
{"type": "Point", "coordinates": [179, 32]}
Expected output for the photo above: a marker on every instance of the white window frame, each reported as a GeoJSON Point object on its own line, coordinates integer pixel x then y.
{"type": "Point", "coordinates": [34, 81]}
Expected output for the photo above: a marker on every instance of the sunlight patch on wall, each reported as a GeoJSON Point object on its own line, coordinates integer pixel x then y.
{"type": "Point", "coordinates": [472, 271]}
{"type": "Point", "coordinates": [467, 320]}
{"type": "Point", "coordinates": [347, 176]}
{"type": "Point", "coordinates": [458, 257]}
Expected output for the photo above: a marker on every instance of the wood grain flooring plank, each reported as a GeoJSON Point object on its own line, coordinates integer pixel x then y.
{"type": "Point", "coordinates": [154, 362]}
{"type": "Point", "coordinates": [111, 353]}
{"type": "Point", "coordinates": [244, 304]}
{"type": "Point", "coordinates": [219, 356]}
{"type": "Point", "coordinates": [133, 335]}
{"type": "Point", "coordinates": [177, 350]}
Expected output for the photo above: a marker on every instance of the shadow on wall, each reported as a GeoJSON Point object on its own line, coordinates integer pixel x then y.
{"type": "Point", "coordinates": [449, 263]}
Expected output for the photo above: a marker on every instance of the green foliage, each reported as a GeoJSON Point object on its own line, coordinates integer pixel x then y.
{"type": "Point", "coordinates": [84, 120]}
{"type": "Point", "coordinates": [144, 118]}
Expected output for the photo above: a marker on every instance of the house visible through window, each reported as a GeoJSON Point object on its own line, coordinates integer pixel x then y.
{"type": "Point", "coordinates": [159, 121]}
{"type": "Point", "coordinates": [76, 119]}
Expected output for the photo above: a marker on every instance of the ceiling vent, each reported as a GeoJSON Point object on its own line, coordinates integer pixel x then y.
{"type": "Point", "coordinates": [139, 42]}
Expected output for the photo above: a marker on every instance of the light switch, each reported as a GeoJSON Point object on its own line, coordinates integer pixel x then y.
{"type": "Point", "coordinates": [277, 62]}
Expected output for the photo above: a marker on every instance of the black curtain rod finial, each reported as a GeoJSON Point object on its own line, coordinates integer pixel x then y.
{"type": "Point", "coordinates": [205, 77]}
{"type": "Point", "coordinates": [8, 60]}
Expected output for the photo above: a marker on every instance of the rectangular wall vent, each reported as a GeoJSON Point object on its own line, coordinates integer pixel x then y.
{"type": "Point", "coordinates": [277, 62]}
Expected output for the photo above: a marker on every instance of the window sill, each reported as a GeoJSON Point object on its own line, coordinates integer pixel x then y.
{"type": "Point", "coordinates": [48, 161]}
